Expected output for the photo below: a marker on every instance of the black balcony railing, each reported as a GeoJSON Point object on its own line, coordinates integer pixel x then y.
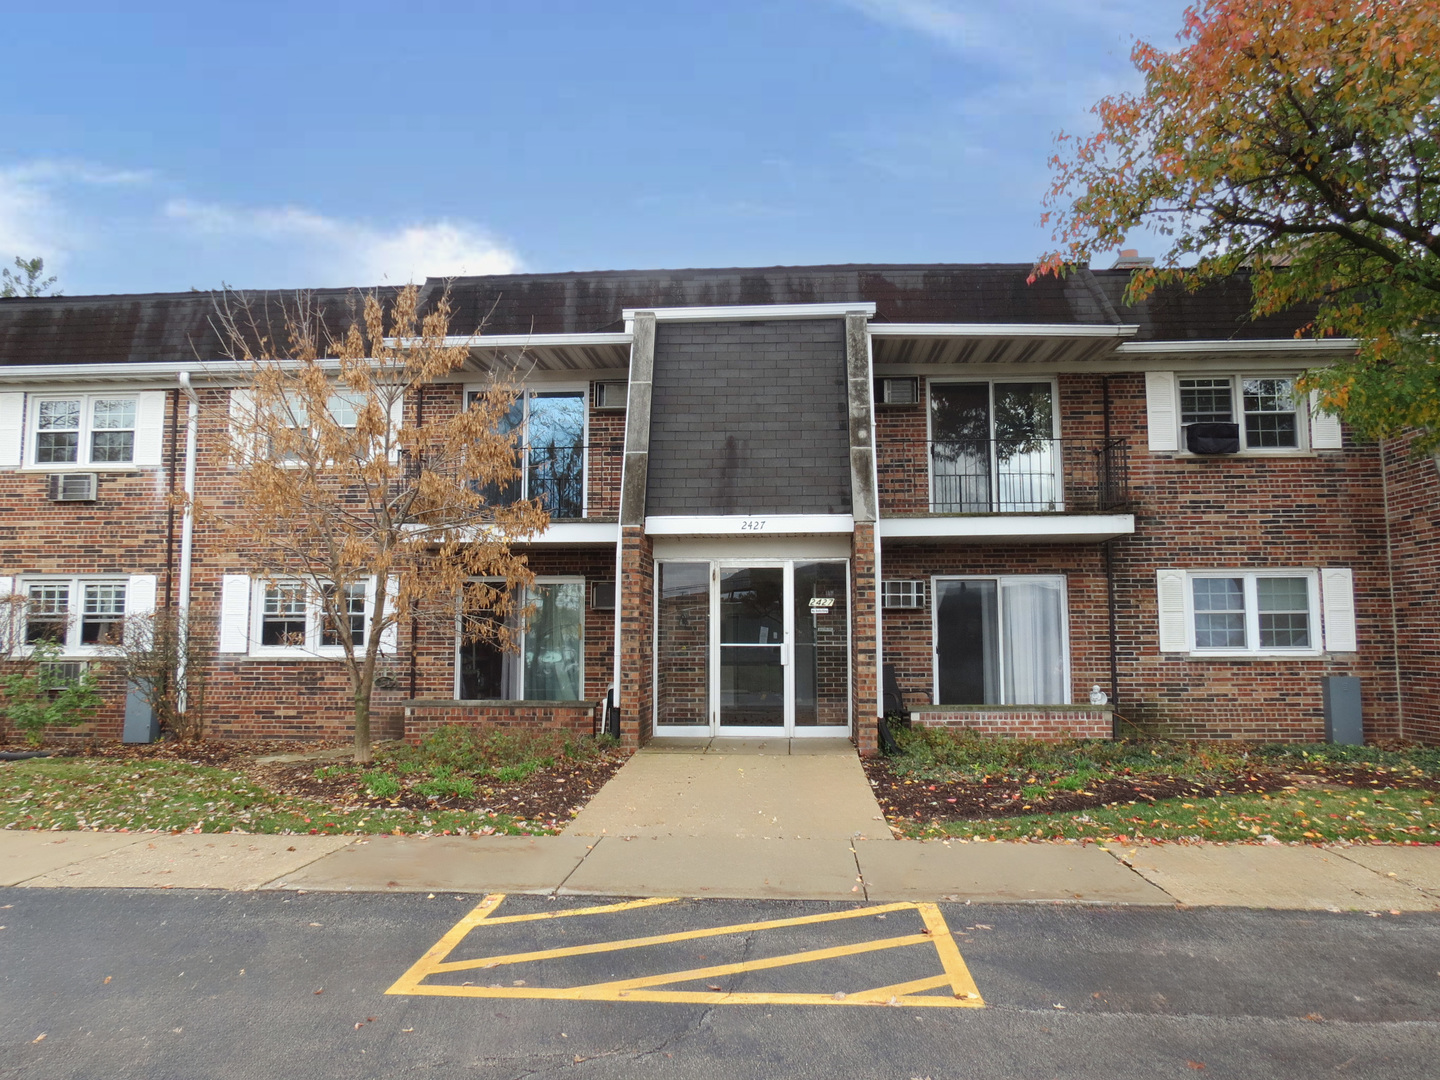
{"type": "Point", "coordinates": [553, 474]}
{"type": "Point", "coordinates": [1029, 476]}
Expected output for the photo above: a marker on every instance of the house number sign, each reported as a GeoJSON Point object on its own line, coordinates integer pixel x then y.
{"type": "Point", "coordinates": [822, 603]}
{"type": "Point", "coordinates": [752, 525]}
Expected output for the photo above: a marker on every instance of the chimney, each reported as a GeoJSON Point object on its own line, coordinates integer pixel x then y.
{"type": "Point", "coordinates": [1131, 259]}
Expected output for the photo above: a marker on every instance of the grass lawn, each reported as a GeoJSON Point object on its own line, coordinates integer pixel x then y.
{"type": "Point", "coordinates": [945, 784]}
{"type": "Point", "coordinates": [458, 782]}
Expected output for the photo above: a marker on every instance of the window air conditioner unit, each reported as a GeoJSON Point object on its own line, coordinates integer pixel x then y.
{"type": "Point", "coordinates": [902, 594]}
{"type": "Point", "coordinates": [1212, 438]}
{"type": "Point", "coordinates": [72, 487]}
{"type": "Point", "coordinates": [897, 391]}
{"type": "Point", "coordinates": [610, 395]}
{"type": "Point", "coordinates": [602, 596]}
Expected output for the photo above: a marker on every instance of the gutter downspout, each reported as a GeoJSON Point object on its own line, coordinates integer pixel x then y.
{"type": "Point", "coordinates": [187, 536]}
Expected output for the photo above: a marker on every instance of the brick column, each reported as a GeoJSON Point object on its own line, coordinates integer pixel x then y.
{"type": "Point", "coordinates": [635, 601]}
{"type": "Point", "coordinates": [864, 544]}
{"type": "Point", "coordinates": [864, 608]}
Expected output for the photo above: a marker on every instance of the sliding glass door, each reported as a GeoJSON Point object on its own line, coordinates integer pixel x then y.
{"type": "Point", "coordinates": [1001, 641]}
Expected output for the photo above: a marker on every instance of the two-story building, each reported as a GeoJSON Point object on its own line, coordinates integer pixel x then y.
{"type": "Point", "coordinates": [766, 486]}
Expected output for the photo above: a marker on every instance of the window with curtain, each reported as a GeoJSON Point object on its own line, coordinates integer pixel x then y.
{"type": "Point", "coordinates": [1000, 641]}
{"type": "Point", "coordinates": [548, 664]}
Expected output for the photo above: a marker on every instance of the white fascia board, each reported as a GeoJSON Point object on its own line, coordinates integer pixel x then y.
{"type": "Point", "coordinates": [213, 371]}
{"type": "Point", "coordinates": [562, 532]}
{"type": "Point", "coordinates": [751, 312]}
{"type": "Point", "coordinates": [1017, 528]}
{"type": "Point", "coordinates": [756, 525]}
{"type": "Point", "coordinates": [534, 341]}
{"type": "Point", "coordinates": [1264, 345]}
{"type": "Point", "coordinates": [1003, 330]}
{"type": "Point", "coordinates": [578, 532]}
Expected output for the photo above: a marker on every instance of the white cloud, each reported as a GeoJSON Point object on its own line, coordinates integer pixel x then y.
{"type": "Point", "coordinates": [337, 251]}
{"type": "Point", "coordinates": [34, 217]}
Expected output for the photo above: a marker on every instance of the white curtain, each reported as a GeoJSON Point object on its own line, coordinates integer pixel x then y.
{"type": "Point", "coordinates": [1034, 658]}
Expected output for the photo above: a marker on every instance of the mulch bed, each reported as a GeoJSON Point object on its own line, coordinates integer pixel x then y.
{"type": "Point", "coordinates": [548, 794]}
{"type": "Point", "coordinates": [971, 800]}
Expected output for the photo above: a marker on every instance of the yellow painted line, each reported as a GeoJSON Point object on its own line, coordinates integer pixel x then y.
{"type": "Point", "coordinates": [762, 964]}
{"type": "Point", "coordinates": [964, 993]}
{"type": "Point", "coordinates": [961, 984]}
{"type": "Point", "coordinates": [663, 939]}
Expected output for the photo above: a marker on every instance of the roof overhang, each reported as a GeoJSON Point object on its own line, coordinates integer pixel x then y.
{"type": "Point", "coordinates": [996, 343]}
{"type": "Point", "coordinates": [754, 312]}
{"type": "Point", "coordinates": [546, 352]}
{"type": "Point", "coordinates": [1010, 528]}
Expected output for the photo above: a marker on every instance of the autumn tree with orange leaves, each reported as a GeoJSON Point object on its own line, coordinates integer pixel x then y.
{"type": "Point", "coordinates": [1295, 140]}
{"type": "Point", "coordinates": [348, 508]}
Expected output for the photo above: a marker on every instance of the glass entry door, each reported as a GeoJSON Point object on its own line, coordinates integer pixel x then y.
{"type": "Point", "coordinates": [752, 648]}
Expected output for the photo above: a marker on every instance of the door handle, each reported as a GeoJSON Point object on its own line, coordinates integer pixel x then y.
{"type": "Point", "coordinates": [784, 655]}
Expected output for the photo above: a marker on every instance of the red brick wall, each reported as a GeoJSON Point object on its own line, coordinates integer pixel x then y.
{"type": "Point", "coordinates": [423, 717]}
{"type": "Point", "coordinates": [1317, 510]}
{"type": "Point", "coordinates": [124, 532]}
{"type": "Point", "coordinates": [1022, 721]}
{"type": "Point", "coordinates": [1413, 498]}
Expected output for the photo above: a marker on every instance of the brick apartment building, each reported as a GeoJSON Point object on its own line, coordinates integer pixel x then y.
{"type": "Point", "coordinates": [768, 485]}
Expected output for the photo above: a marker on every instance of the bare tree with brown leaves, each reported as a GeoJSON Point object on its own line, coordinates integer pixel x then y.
{"type": "Point", "coordinates": [346, 504]}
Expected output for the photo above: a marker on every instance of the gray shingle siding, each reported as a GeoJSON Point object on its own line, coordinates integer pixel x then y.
{"type": "Point", "coordinates": [749, 418]}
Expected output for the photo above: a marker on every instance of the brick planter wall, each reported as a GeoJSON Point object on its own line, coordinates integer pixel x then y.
{"type": "Point", "coordinates": [1049, 722]}
{"type": "Point", "coordinates": [423, 717]}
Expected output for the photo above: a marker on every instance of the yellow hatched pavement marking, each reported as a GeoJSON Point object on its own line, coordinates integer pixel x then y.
{"type": "Point", "coordinates": [956, 976]}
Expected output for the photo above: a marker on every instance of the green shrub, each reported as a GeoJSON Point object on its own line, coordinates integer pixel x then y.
{"type": "Point", "coordinates": [39, 697]}
{"type": "Point", "coordinates": [458, 787]}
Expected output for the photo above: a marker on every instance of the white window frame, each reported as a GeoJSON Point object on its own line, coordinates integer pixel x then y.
{"type": "Point", "coordinates": [1237, 411]}
{"type": "Point", "coordinates": [584, 390]}
{"type": "Point", "coordinates": [314, 620]}
{"type": "Point", "coordinates": [540, 579]}
{"type": "Point", "coordinates": [1252, 612]}
{"type": "Point", "coordinates": [85, 432]}
{"type": "Point", "coordinates": [999, 580]}
{"type": "Point", "coordinates": [927, 394]}
{"type": "Point", "coordinates": [71, 645]}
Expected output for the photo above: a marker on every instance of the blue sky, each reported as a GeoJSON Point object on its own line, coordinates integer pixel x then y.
{"type": "Point", "coordinates": [164, 146]}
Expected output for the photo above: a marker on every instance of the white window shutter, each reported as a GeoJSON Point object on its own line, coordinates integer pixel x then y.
{"type": "Point", "coordinates": [9, 616]}
{"type": "Point", "coordinates": [12, 425]}
{"type": "Point", "coordinates": [242, 420]}
{"type": "Point", "coordinates": [390, 636]}
{"type": "Point", "coordinates": [1170, 594]}
{"type": "Point", "coordinates": [1325, 431]}
{"type": "Point", "coordinates": [150, 428]}
{"type": "Point", "coordinates": [235, 613]}
{"type": "Point", "coordinates": [1161, 416]}
{"type": "Point", "coordinates": [1337, 597]}
{"type": "Point", "coordinates": [397, 421]}
{"type": "Point", "coordinates": [140, 603]}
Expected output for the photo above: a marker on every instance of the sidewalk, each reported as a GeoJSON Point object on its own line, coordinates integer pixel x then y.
{"type": "Point", "coordinates": [1336, 878]}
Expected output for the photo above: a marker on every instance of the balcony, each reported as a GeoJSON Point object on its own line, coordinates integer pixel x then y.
{"type": "Point", "coordinates": [1021, 489]}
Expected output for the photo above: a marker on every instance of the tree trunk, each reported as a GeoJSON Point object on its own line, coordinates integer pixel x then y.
{"type": "Point", "coordinates": [362, 725]}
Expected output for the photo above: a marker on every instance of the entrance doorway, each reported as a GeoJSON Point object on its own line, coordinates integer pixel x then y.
{"type": "Point", "coordinates": [752, 648]}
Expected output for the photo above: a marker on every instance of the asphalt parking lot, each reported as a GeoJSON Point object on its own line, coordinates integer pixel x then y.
{"type": "Point", "coordinates": [166, 983]}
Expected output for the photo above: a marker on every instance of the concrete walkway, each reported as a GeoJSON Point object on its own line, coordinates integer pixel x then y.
{"type": "Point", "coordinates": [1337, 878]}
{"type": "Point", "coordinates": [766, 789]}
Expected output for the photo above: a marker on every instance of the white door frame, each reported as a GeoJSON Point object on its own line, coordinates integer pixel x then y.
{"type": "Point", "coordinates": [787, 656]}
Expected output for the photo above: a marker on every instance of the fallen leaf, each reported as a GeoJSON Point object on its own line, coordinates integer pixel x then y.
{"type": "Point", "coordinates": [38, 1038]}
{"type": "Point", "coordinates": [1196, 1064]}
{"type": "Point", "coordinates": [107, 979]}
{"type": "Point", "coordinates": [320, 991]}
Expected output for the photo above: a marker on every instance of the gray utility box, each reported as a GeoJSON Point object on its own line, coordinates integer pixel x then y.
{"type": "Point", "coordinates": [141, 725]}
{"type": "Point", "coordinates": [1342, 709]}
